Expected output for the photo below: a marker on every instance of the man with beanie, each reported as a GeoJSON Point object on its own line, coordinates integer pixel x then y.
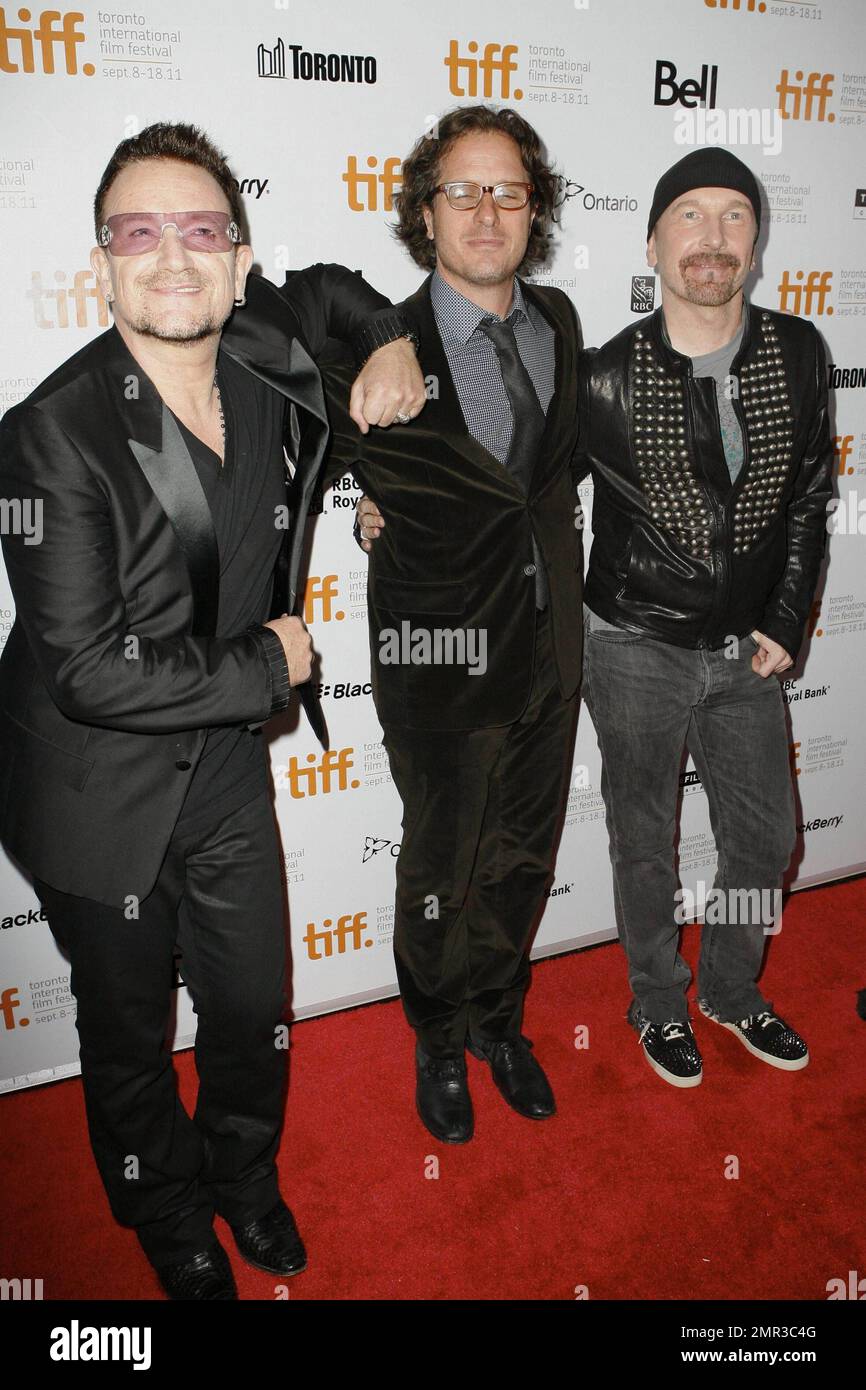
{"type": "Point", "coordinates": [707, 433]}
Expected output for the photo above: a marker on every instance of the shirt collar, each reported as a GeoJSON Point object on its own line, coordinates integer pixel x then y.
{"type": "Point", "coordinates": [735, 341]}
{"type": "Point", "coordinates": [457, 317]}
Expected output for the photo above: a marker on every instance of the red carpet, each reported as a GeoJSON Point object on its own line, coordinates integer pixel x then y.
{"type": "Point", "coordinates": [624, 1191]}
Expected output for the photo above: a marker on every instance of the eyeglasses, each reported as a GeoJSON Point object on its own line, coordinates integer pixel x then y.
{"type": "Point", "coordinates": [465, 196]}
{"type": "Point", "coordinates": [133, 233]}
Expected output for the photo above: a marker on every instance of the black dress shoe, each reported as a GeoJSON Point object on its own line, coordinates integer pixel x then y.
{"type": "Point", "coordinates": [272, 1242]}
{"type": "Point", "coordinates": [518, 1076]}
{"type": "Point", "coordinates": [442, 1097]}
{"type": "Point", "coordinates": [207, 1275]}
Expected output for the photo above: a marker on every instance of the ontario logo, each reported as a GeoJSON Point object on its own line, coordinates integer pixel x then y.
{"type": "Point", "coordinates": [373, 846]}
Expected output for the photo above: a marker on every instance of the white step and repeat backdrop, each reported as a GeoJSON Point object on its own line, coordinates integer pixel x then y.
{"type": "Point", "coordinates": [315, 104]}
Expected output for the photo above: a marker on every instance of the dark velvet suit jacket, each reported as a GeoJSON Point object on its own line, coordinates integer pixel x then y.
{"type": "Point", "coordinates": [457, 544]}
{"type": "Point", "coordinates": [111, 673]}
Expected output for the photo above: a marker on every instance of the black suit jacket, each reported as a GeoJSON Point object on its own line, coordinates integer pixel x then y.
{"type": "Point", "coordinates": [457, 543]}
{"type": "Point", "coordinates": [111, 673]}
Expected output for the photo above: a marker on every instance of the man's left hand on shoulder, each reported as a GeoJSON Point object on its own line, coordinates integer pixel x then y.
{"type": "Point", "coordinates": [389, 387]}
{"type": "Point", "coordinates": [770, 659]}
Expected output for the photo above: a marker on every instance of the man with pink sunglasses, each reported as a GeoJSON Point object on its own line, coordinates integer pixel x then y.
{"type": "Point", "coordinates": [154, 635]}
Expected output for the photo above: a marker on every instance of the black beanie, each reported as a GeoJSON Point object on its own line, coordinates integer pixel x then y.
{"type": "Point", "coordinates": [708, 167]}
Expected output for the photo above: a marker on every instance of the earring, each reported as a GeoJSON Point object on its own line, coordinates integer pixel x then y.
{"type": "Point", "coordinates": [239, 303]}
{"type": "Point", "coordinates": [108, 297]}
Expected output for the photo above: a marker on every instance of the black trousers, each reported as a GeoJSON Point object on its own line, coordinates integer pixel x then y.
{"type": "Point", "coordinates": [219, 899]}
{"type": "Point", "coordinates": [481, 812]}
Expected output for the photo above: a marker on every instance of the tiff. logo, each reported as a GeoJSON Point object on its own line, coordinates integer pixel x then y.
{"type": "Point", "coordinates": [498, 60]}
{"type": "Point", "coordinates": [348, 928]}
{"type": "Point", "coordinates": [83, 292]}
{"type": "Point", "coordinates": [817, 87]}
{"type": "Point", "coordinates": [47, 37]}
{"type": "Point", "coordinates": [810, 298]}
{"type": "Point", "coordinates": [362, 190]}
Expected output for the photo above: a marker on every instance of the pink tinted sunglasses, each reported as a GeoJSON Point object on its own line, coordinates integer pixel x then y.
{"type": "Point", "coordinates": [133, 233]}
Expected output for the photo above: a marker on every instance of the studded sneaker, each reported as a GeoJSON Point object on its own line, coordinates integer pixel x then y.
{"type": "Point", "coordinates": [767, 1036]}
{"type": "Point", "coordinates": [670, 1048]}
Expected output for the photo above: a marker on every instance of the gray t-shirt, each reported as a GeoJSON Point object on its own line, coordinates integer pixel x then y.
{"type": "Point", "coordinates": [715, 364]}
{"type": "Point", "coordinates": [718, 364]}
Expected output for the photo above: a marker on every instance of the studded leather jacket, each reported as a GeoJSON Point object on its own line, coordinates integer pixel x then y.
{"type": "Point", "coordinates": [679, 551]}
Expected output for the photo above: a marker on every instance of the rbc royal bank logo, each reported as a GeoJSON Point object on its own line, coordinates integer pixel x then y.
{"type": "Point", "coordinates": [643, 293]}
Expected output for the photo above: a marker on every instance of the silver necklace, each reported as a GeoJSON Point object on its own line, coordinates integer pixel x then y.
{"type": "Point", "coordinates": [222, 417]}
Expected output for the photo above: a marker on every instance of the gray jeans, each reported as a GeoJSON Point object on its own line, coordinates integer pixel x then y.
{"type": "Point", "coordinates": [648, 700]}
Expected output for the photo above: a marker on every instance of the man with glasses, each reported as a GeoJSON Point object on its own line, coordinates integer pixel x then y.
{"type": "Point", "coordinates": [472, 592]}
{"type": "Point", "coordinates": [150, 645]}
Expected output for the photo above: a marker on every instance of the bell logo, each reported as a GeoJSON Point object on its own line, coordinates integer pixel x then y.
{"type": "Point", "coordinates": [321, 590]}
{"type": "Point", "coordinates": [842, 449]}
{"type": "Point", "coordinates": [328, 775]}
{"type": "Point", "coordinates": [368, 184]}
{"type": "Point", "coordinates": [9, 1002]}
{"type": "Point", "coordinates": [814, 619]}
{"type": "Point", "coordinates": [810, 298]}
{"type": "Point", "coordinates": [23, 51]}
{"type": "Point", "coordinates": [51, 306]}
{"type": "Point", "coordinates": [348, 928]}
{"type": "Point", "coordinates": [818, 86]}
{"type": "Point", "coordinates": [750, 5]}
{"type": "Point", "coordinates": [497, 59]}
{"type": "Point", "coordinates": [795, 758]}
{"type": "Point", "coordinates": [689, 91]}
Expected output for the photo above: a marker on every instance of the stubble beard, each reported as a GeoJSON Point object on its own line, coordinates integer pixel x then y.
{"type": "Point", "coordinates": [180, 329]}
{"type": "Point", "coordinates": [714, 292]}
{"type": "Point", "coordinates": [187, 331]}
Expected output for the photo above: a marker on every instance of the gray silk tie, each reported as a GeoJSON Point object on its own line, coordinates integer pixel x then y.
{"type": "Point", "coordinates": [528, 428]}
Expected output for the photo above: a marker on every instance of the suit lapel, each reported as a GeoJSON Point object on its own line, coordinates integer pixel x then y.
{"type": "Point", "coordinates": [158, 448]}
{"type": "Point", "coordinates": [562, 410]}
{"type": "Point", "coordinates": [173, 478]}
{"type": "Point", "coordinates": [263, 338]}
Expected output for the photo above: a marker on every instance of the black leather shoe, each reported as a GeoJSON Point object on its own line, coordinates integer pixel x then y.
{"type": "Point", "coordinates": [207, 1275]}
{"type": "Point", "coordinates": [518, 1076]}
{"type": "Point", "coordinates": [272, 1242]}
{"type": "Point", "coordinates": [442, 1097]}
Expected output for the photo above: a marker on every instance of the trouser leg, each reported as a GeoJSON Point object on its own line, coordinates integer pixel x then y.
{"type": "Point", "coordinates": [640, 694]}
{"type": "Point", "coordinates": [147, 1149]}
{"type": "Point", "coordinates": [163, 1172]}
{"type": "Point", "coordinates": [480, 814]}
{"type": "Point", "coordinates": [232, 938]}
{"type": "Point", "coordinates": [739, 742]}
